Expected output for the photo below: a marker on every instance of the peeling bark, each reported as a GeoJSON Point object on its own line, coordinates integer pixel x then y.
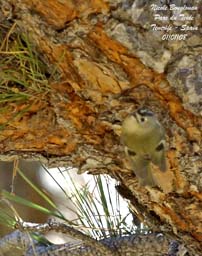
{"type": "Point", "coordinates": [109, 64]}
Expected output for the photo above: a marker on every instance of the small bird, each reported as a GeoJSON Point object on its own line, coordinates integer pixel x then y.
{"type": "Point", "coordinates": [144, 140]}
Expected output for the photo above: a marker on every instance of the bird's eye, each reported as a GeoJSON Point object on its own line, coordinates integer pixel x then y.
{"type": "Point", "coordinates": [131, 153]}
{"type": "Point", "coordinates": [142, 119]}
{"type": "Point", "coordinates": [160, 147]}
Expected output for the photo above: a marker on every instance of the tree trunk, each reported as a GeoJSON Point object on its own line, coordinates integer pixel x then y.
{"type": "Point", "coordinates": [104, 61]}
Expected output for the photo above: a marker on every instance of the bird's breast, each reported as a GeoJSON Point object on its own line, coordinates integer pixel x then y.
{"type": "Point", "coordinates": [144, 144]}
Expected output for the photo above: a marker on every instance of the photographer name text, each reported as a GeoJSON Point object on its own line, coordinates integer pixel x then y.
{"type": "Point", "coordinates": [173, 7]}
{"type": "Point", "coordinates": [178, 32]}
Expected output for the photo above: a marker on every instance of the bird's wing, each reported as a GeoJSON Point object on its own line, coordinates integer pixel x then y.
{"type": "Point", "coordinates": [158, 156]}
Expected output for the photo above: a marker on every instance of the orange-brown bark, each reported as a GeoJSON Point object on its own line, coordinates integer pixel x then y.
{"type": "Point", "coordinates": [101, 82]}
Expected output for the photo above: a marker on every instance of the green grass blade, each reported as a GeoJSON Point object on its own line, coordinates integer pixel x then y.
{"type": "Point", "coordinates": [7, 219]}
{"type": "Point", "coordinates": [35, 188]}
{"type": "Point", "coordinates": [27, 203]}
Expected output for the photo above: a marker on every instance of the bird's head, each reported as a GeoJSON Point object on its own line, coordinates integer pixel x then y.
{"type": "Point", "coordinates": [141, 121]}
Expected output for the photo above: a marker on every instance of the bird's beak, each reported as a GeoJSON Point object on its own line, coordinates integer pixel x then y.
{"type": "Point", "coordinates": [135, 115]}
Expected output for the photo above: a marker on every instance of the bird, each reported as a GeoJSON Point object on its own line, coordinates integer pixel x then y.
{"type": "Point", "coordinates": [143, 138]}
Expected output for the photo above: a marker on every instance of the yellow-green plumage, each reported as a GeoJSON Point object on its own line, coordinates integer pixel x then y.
{"type": "Point", "coordinates": [144, 140]}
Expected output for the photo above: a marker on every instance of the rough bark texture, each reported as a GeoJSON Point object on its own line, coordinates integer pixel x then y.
{"type": "Point", "coordinates": [125, 246]}
{"type": "Point", "coordinates": [110, 63]}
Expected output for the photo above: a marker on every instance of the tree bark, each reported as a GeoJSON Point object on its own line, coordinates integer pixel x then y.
{"type": "Point", "coordinates": [109, 63]}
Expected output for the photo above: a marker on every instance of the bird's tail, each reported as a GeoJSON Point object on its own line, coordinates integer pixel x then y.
{"type": "Point", "coordinates": [143, 171]}
{"type": "Point", "coordinates": [148, 180]}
